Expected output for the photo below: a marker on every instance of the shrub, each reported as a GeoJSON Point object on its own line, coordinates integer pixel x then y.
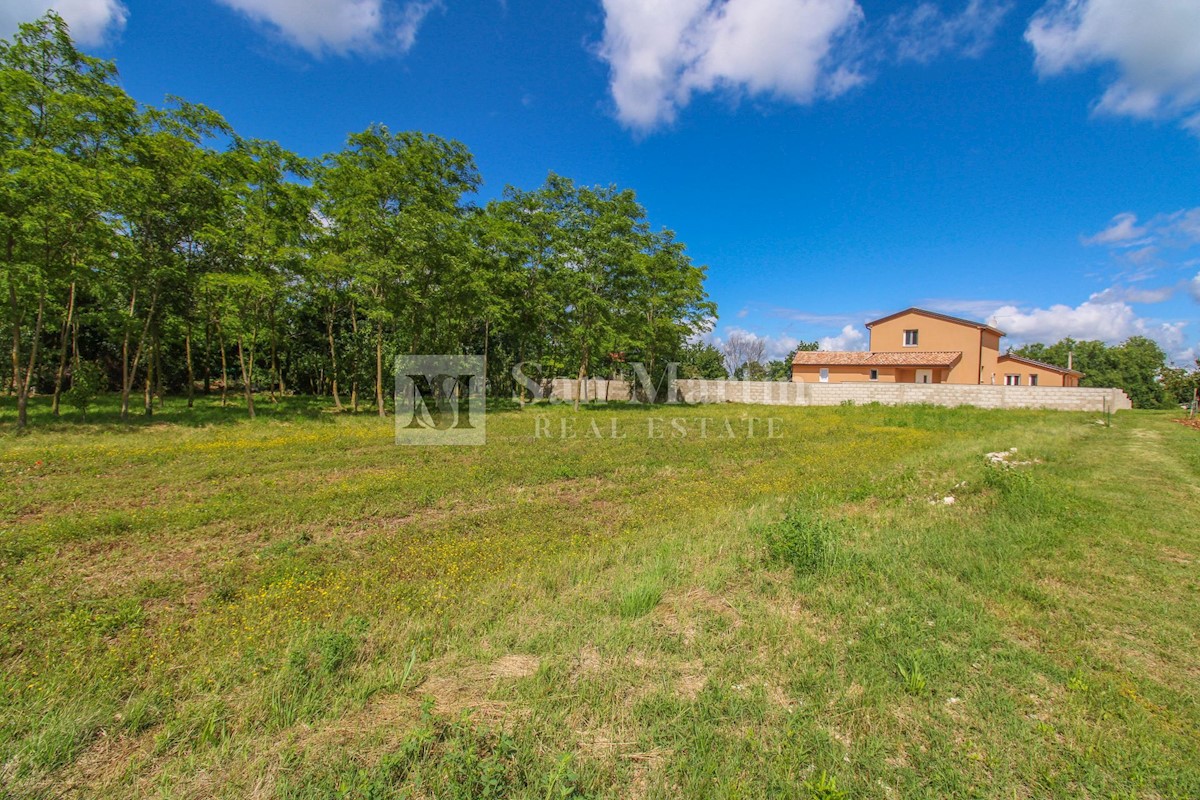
{"type": "Point", "coordinates": [806, 543]}
{"type": "Point", "coordinates": [87, 383]}
{"type": "Point", "coordinates": [1008, 480]}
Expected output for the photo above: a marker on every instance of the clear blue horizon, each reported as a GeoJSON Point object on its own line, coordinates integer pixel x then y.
{"type": "Point", "coordinates": [1028, 163]}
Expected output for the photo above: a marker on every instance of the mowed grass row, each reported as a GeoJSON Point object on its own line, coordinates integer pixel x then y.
{"type": "Point", "coordinates": [202, 606]}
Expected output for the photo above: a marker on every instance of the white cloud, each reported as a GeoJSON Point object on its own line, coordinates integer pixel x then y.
{"type": "Point", "coordinates": [664, 52]}
{"type": "Point", "coordinates": [1128, 294]}
{"type": "Point", "coordinates": [1109, 322]}
{"type": "Point", "coordinates": [91, 21]}
{"type": "Point", "coordinates": [660, 53]}
{"type": "Point", "coordinates": [973, 309]}
{"type": "Point", "coordinates": [1121, 230]}
{"type": "Point", "coordinates": [1194, 287]}
{"type": "Point", "coordinates": [1183, 227]}
{"type": "Point", "coordinates": [924, 32]}
{"type": "Point", "coordinates": [851, 338]}
{"type": "Point", "coordinates": [1153, 44]}
{"type": "Point", "coordinates": [340, 26]}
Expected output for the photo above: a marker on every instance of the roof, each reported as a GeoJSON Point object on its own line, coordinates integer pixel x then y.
{"type": "Point", "coordinates": [860, 358]}
{"type": "Point", "coordinates": [1042, 364]}
{"type": "Point", "coordinates": [936, 315]}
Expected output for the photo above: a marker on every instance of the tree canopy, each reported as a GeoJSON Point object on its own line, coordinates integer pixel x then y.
{"type": "Point", "coordinates": [1137, 366]}
{"type": "Point", "coordinates": [155, 250]}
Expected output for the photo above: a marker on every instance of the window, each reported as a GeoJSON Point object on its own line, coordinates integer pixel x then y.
{"type": "Point", "coordinates": [824, 375]}
{"type": "Point", "coordinates": [1033, 379]}
{"type": "Point", "coordinates": [1012, 380]}
{"type": "Point", "coordinates": [874, 374]}
{"type": "Point", "coordinates": [910, 338]}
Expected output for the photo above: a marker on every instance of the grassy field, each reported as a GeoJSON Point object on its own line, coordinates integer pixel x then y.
{"type": "Point", "coordinates": [200, 606]}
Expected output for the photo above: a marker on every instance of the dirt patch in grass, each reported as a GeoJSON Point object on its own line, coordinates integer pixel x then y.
{"type": "Point", "coordinates": [470, 689]}
{"type": "Point", "coordinates": [587, 662]}
{"type": "Point", "coordinates": [684, 613]}
{"type": "Point", "coordinates": [692, 680]}
{"type": "Point", "coordinates": [1175, 556]}
{"type": "Point", "coordinates": [515, 666]}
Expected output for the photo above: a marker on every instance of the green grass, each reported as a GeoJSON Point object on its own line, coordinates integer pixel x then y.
{"type": "Point", "coordinates": [197, 605]}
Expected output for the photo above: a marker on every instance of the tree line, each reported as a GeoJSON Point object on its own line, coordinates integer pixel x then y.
{"type": "Point", "coordinates": [153, 250]}
{"type": "Point", "coordinates": [1138, 366]}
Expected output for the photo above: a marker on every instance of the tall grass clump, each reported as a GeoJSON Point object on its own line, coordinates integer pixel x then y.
{"type": "Point", "coordinates": [639, 600]}
{"type": "Point", "coordinates": [803, 541]}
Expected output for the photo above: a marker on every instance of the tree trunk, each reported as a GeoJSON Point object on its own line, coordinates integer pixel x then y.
{"type": "Point", "coordinates": [354, 366]}
{"type": "Point", "coordinates": [74, 351]}
{"type": "Point", "coordinates": [207, 357]}
{"type": "Point", "coordinates": [337, 400]}
{"type": "Point", "coordinates": [224, 366]}
{"type": "Point", "coordinates": [279, 374]}
{"type": "Point", "coordinates": [276, 383]}
{"type": "Point", "coordinates": [16, 329]}
{"type": "Point", "coordinates": [125, 374]}
{"type": "Point", "coordinates": [27, 384]}
{"type": "Point", "coordinates": [16, 339]}
{"type": "Point", "coordinates": [246, 378]}
{"type": "Point", "coordinates": [147, 393]}
{"type": "Point", "coordinates": [158, 371]}
{"type": "Point", "coordinates": [379, 369]}
{"type": "Point", "coordinates": [128, 367]}
{"type": "Point", "coordinates": [191, 374]}
{"type": "Point", "coordinates": [62, 350]}
{"type": "Point", "coordinates": [583, 365]}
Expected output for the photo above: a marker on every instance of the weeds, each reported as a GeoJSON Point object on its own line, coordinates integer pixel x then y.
{"type": "Point", "coordinates": [913, 676]}
{"type": "Point", "coordinates": [824, 787]}
{"type": "Point", "coordinates": [806, 543]}
{"type": "Point", "coordinates": [451, 760]}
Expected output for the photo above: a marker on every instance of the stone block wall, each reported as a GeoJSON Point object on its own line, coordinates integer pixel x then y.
{"type": "Point", "coordinates": [940, 394]}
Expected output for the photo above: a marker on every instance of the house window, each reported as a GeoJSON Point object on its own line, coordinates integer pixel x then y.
{"type": "Point", "coordinates": [824, 375]}
{"type": "Point", "coordinates": [874, 374]}
{"type": "Point", "coordinates": [1012, 380]}
{"type": "Point", "coordinates": [1033, 379]}
{"type": "Point", "coordinates": [910, 338]}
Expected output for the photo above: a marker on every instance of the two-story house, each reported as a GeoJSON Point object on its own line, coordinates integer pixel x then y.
{"type": "Point", "coordinates": [919, 346]}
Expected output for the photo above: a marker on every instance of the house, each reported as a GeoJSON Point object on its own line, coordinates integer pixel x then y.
{"type": "Point", "coordinates": [919, 346]}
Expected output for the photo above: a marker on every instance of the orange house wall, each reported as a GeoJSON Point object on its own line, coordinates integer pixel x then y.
{"type": "Point", "coordinates": [807, 374]}
{"type": "Point", "coordinates": [1046, 377]}
{"type": "Point", "coordinates": [978, 348]}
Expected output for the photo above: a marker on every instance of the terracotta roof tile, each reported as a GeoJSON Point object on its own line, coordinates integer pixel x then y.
{"type": "Point", "coordinates": [907, 358]}
{"type": "Point", "coordinates": [827, 358]}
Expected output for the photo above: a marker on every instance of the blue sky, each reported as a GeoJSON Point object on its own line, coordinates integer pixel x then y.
{"type": "Point", "coordinates": [1035, 164]}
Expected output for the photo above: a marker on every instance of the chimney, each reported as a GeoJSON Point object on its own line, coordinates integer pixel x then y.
{"type": "Point", "coordinates": [1070, 358]}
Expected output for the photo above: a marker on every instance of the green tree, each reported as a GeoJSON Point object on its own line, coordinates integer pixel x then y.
{"type": "Point", "coordinates": [393, 205]}
{"type": "Point", "coordinates": [170, 196]}
{"type": "Point", "coordinates": [1134, 365]}
{"type": "Point", "coordinates": [60, 113]}
{"type": "Point", "coordinates": [1180, 384]}
{"type": "Point", "coordinates": [266, 215]}
{"type": "Point", "coordinates": [781, 370]}
{"type": "Point", "coordinates": [700, 359]}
